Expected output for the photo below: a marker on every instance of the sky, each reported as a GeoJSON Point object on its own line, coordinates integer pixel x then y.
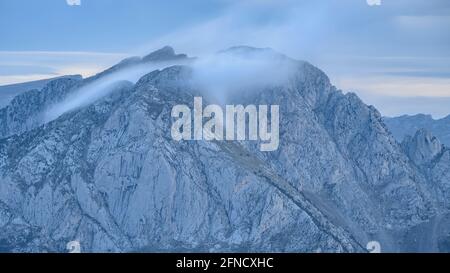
{"type": "Point", "coordinates": [395, 54]}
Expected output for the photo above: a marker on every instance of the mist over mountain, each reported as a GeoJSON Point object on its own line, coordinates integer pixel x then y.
{"type": "Point", "coordinates": [8, 92]}
{"type": "Point", "coordinates": [104, 170]}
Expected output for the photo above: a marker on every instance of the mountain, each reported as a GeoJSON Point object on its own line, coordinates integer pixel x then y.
{"type": "Point", "coordinates": [8, 92]}
{"type": "Point", "coordinates": [433, 159]}
{"type": "Point", "coordinates": [25, 111]}
{"type": "Point", "coordinates": [164, 54]}
{"type": "Point", "coordinates": [109, 175]}
{"type": "Point", "coordinates": [408, 125]}
{"type": "Point", "coordinates": [32, 108]}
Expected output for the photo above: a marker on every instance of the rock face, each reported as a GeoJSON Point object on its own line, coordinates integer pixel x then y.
{"type": "Point", "coordinates": [433, 160]}
{"type": "Point", "coordinates": [422, 148]}
{"type": "Point", "coordinates": [164, 54]}
{"type": "Point", "coordinates": [8, 92]}
{"type": "Point", "coordinates": [25, 110]}
{"type": "Point", "coordinates": [408, 125]}
{"type": "Point", "coordinates": [110, 176]}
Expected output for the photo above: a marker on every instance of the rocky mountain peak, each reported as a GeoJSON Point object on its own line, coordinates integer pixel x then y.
{"type": "Point", "coordinates": [109, 174]}
{"type": "Point", "coordinates": [166, 53]}
{"type": "Point", "coordinates": [423, 147]}
{"type": "Point", "coordinates": [405, 125]}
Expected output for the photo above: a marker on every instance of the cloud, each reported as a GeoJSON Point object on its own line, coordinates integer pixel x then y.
{"type": "Point", "coordinates": [221, 76]}
{"type": "Point", "coordinates": [13, 79]}
{"type": "Point", "coordinates": [397, 106]}
{"type": "Point", "coordinates": [73, 2]}
{"type": "Point", "coordinates": [101, 87]}
{"type": "Point", "coordinates": [287, 26]}
{"type": "Point", "coordinates": [316, 30]}
{"type": "Point", "coordinates": [398, 86]}
{"type": "Point", "coordinates": [11, 70]}
{"type": "Point", "coordinates": [218, 76]}
{"type": "Point", "coordinates": [21, 66]}
{"type": "Point", "coordinates": [395, 96]}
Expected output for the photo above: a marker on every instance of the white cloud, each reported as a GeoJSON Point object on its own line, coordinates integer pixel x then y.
{"type": "Point", "coordinates": [395, 96]}
{"type": "Point", "coordinates": [224, 75]}
{"type": "Point", "coordinates": [289, 26]}
{"type": "Point", "coordinates": [396, 86]}
{"type": "Point", "coordinates": [374, 2]}
{"type": "Point", "coordinates": [73, 2]}
{"type": "Point", "coordinates": [102, 87]}
{"type": "Point", "coordinates": [13, 79]}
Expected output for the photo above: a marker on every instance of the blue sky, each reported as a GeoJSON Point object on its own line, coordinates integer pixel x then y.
{"type": "Point", "coordinates": [395, 55]}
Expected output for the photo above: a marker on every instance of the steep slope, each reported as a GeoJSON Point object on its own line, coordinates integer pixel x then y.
{"type": "Point", "coordinates": [25, 111]}
{"type": "Point", "coordinates": [110, 175]}
{"type": "Point", "coordinates": [8, 92]}
{"type": "Point", "coordinates": [31, 109]}
{"type": "Point", "coordinates": [338, 151]}
{"type": "Point", "coordinates": [433, 159]}
{"type": "Point", "coordinates": [117, 182]}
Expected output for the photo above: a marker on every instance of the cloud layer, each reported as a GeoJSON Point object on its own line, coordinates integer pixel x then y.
{"type": "Point", "coordinates": [398, 49]}
{"type": "Point", "coordinates": [20, 66]}
{"type": "Point", "coordinates": [348, 39]}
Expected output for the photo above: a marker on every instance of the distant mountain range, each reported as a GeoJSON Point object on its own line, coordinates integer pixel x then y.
{"type": "Point", "coordinates": [408, 125]}
{"type": "Point", "coordinates": [108, 174]}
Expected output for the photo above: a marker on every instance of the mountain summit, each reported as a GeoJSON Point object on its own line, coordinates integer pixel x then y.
{"type": "Point", "coordinates": [109, 175]}
{"type": "Point", "coordinates": [166, 53]}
